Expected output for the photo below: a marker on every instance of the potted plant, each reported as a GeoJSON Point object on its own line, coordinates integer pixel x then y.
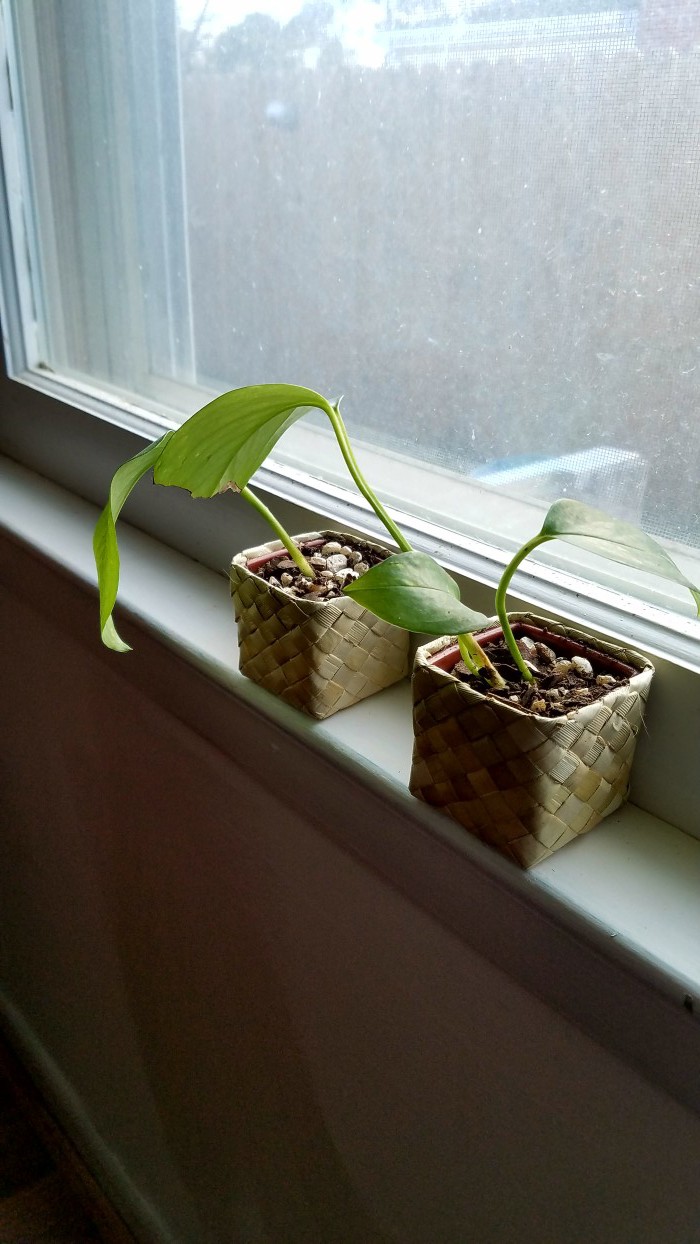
{"type": "Point", "coordinates": [524, 729]}
{"type": "Point", "coordinates": [299, 636]}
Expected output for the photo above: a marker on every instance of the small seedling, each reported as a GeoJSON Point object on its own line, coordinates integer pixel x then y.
{"type": "Point", "coordinates": [397, 590]}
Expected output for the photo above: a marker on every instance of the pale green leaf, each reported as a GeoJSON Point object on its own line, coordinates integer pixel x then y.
{"type": "Point", "coordinates": [226, 441]}
{"type": "Point", "coordinates": [104, 541]}
{"type": "Point", "coordinates": [613, 539]}
{"type": "Point", "coordinates": [414, 592]}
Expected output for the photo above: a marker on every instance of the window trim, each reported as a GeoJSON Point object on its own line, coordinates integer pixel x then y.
{"type": "Point", "coordinates": [17, 317]}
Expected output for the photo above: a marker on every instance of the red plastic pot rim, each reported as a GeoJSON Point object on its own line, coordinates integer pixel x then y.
{"type": "Point", "coordinates": [256, 562]}
{"type": "Point", "coordinates": [448, 657]}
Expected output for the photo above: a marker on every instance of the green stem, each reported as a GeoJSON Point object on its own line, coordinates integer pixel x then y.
{"type": "Point", "coordinates": [465, 652]}
{"type": "Point", "coordinates": [341, 435]}
{"type": "Point", "coordinates": [501, 602]}
{"type": "Point", "coordinates": [294, 552]}
{"type": "Point", "coordinates": [477, 661]}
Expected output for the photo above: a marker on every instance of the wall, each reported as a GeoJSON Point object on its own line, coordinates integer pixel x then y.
{"type": "Point", "coordinates": [257, 1035]}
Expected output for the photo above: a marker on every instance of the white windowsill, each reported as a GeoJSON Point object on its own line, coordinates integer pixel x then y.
{"type": "Point", "coordinates": [629, 887]}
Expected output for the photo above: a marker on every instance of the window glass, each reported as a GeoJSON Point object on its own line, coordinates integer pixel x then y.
{"type": "Point", "coordinates": [477, 221]}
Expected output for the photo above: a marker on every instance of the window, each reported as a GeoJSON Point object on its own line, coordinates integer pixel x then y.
{"type": "Point", "coordinates": [478, 220]}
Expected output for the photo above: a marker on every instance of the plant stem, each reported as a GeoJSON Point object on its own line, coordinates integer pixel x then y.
{"type": "Point", "coordinates": [477, 661]}
{"type": "Point", "coordinates": [294, 552]}
{"type": "Point", "coordinates": [342, 438]}
{"type": "Point", "coordinates": [465, 653]}
{"type": "Point", "coordinates": [501, 602]}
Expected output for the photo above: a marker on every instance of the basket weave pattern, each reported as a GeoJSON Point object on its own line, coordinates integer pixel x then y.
{"type": "Point", "coordinates": [524, 783]}
{"type": "Point", "coordinates": [318, 656]}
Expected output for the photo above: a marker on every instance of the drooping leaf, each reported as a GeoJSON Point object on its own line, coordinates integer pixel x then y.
{"type": "Point", "coordinates": [104, 541]}
{"type": "Point", "coordinates": [612, 538]}
{"type": "Point", "coordinates": [223, 443]}
{"type": "Point", "coordinates": [413, 591]}
{"type": "Point", "coordinates": [227, 440]}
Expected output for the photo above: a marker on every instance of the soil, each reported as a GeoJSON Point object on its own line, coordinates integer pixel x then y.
{"type": "Point", "coordinates": [562, 682]}
{"type": "Point", "coordinates": [336, 563]}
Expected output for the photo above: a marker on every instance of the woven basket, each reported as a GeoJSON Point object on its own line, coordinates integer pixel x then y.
{"type": "Point", "coordinates": [318, 656]}
{"type": "Point", "coordinates": [524, 783]}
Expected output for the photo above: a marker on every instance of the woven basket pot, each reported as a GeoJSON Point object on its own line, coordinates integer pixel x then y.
{"type": "Point", "coordinates": [524, 783]}
{"type": "Point", "coordinates": [318, 656]}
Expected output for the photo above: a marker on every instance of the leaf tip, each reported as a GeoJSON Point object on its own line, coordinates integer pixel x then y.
{"type": "Point", "coordinates": [111, 639]}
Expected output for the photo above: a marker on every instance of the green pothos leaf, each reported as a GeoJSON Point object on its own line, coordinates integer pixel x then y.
{"type": "Point", "coordinates": [220, 446]}
{"type": "Point", "coordinates": [413, 591]}
{"type": "Point", "coordinates": [613, 539]}
{"type": "Point", "coordinates": [226, 441]}
{"type": "Point", "coordinates": [104, 541]}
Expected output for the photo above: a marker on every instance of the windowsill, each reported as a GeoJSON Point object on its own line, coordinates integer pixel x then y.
{"type": "Point", "coordinates": [627, 891]}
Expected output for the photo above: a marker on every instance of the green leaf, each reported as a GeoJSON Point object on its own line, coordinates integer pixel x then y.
{"type": "Point", "coordinates": [612, 538]}
{"type": "Point", "coordinates": [413, 591]}
{"type": "Point", "coordinates": [222, 444]}
{"type": "Point", "coordinates": [104, 541]}
{"type": "Point", "coordinates": [226, 441]}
